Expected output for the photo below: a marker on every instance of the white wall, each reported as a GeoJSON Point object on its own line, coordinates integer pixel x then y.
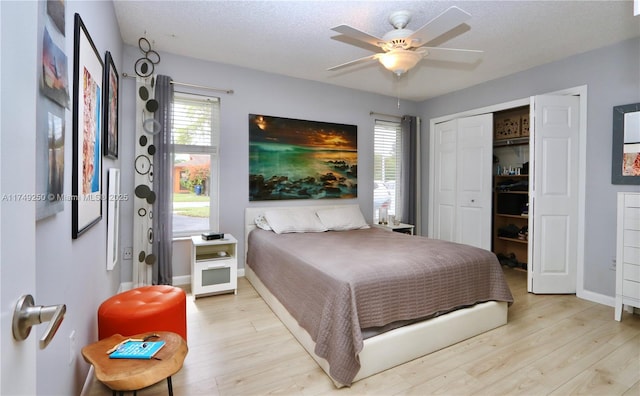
{"type": "Point", "coordinates": [258, 93]}
{"type": "Point", "coordinates": [613, 78]}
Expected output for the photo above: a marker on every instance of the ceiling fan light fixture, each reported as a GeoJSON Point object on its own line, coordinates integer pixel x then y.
{"type": "Point", "coordinates": [400, 61]}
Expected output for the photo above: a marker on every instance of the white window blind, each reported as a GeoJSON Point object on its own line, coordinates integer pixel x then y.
{"type": "Point", "coordinates": [387, 162]}
{"type": "Point", "coordinates": [193, 120]}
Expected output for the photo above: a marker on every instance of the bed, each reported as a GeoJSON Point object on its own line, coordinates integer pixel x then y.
{"type": "Point", "coordinates": [361, 311]}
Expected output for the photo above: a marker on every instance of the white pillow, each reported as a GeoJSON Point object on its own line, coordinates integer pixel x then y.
{"type": "Point", "coordinates": [343, 218]}
{"type": "Point", "coordinates": [262, 223]}
{"type": "Point", "coordinates": [283, 221]}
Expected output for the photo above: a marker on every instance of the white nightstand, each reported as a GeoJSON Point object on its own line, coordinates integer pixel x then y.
{"type": "Point", "coordinates": [402, 228]}
{"type": "Point", "coordinates": [214, 265]}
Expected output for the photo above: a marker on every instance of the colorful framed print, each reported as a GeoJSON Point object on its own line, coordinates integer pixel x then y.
{"type": "Point", "coordinates": [86, 180]}
{"type": "Point", "coordinates": [299, 159]}
{"type": "Point", "coordinates": [110, 112]}
{"type": "Point", "coordinates": [55, 80]}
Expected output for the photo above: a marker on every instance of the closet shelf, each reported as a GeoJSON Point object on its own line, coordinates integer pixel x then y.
{"type": "Point", "coordinates": [513, 192]}
{"type": "Point", "coordinates": [513, 240]}
{"type": "Point", "coordinates": [511, 142]}
{"type": "Point", "coordinates": [513, 216]}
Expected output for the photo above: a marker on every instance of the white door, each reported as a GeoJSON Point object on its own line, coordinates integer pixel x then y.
{"type": "Point", "coordinates": [17, 176]}
{"type": "Point", "coordinates": [462, 180]}
{"type": "Point", "coordinates": [445, 160]}
{"type": "Point", "coordinates": [553, 248]}
{"type": "Point", "coordinates": [475, 157]}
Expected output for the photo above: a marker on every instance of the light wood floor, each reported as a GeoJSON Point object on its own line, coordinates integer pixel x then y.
{"type": "Point", "coordinates": [552, 345]}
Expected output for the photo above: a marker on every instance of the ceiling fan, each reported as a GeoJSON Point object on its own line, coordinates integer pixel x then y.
{"type": "Point", "coordinates": [401, 49]}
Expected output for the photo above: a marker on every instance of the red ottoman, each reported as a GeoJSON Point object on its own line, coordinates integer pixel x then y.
{"type": "Point", "coordinates": [144, 309]}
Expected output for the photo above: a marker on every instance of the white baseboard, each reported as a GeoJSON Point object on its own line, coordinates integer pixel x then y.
{"type": "Point", "coordinates": [181, 280]}
{"type": "Point", "coordinates": [597, 298]}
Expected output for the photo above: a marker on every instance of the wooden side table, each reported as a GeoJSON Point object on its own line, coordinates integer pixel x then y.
{"type": "Point", "coordinates": [134, 374]}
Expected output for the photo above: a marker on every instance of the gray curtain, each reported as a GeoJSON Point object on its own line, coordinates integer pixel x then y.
{"type": "Point", "coordinates": [409, 187]}
{"type": "Point", "coordinates": [163, 185]}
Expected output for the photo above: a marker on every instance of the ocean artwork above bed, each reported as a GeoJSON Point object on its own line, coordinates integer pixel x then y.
{"type": "Point", "coordinates": [299, 159]}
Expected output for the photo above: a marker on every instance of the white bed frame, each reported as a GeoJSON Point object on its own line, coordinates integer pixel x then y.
{"type": "Point", "coordinates": [394, 347]}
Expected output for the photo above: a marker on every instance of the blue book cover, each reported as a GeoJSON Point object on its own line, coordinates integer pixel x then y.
{"type": "Point", "coordinates": [137, 350]}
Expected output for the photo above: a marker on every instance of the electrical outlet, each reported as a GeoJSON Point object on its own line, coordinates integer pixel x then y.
{"type": "Point", "coordinates": [127, 253]}
{"type": "Point", "coordinates": [72, 347]}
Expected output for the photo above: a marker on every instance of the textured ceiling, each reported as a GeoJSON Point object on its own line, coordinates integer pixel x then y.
{"type": "Point", "coordinates": [293, 38]}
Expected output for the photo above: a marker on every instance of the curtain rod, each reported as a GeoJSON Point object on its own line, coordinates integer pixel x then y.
{"type": "Point", "coordinates": [227, 91]}
{"type": "Point", "coordinates": [383, 114]}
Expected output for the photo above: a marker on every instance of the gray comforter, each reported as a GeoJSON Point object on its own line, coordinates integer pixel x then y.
{"type": "Point", "coordinates": [337, 283]}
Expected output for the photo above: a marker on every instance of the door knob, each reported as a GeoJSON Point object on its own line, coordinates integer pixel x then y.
{"type": "Point", "coordinates": [26, 315]}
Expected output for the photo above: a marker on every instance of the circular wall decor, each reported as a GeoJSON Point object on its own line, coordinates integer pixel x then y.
{"type": "Point", "coordinates": [143, 92]}
{"type": "Point", "coordinates": [152, 105]}
{"type": "Point", "coordinates": [142, 212]}
{"type": "Point", "coordinates": [141, 256]}
{"type": "Point", "coordinates": [144, 67]}
{"type": "Point", "coordinates": [151, 126]}
{"type": "Point", "coordinates": [151, 197]}
{"type": "Point", "coordinates": [150, 259]}
{"type": "Point", "coordinates": [150, 235]}
{"type": "Point", "coordinates": [151, 149]}
{"type": "Point", "coordinates": [143, 191]}
{"type": "Point", "coordinates": [143, 164]}
{"type": "Point", "coordinates": [144, 45]}
{"type": "Point", "coordinates": [153, 57]}
{"type": "Point", "coordinates": [143, 140]}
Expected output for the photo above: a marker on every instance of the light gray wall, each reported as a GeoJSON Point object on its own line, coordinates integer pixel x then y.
{"type": "Point", "coordinates": [612, 75]}
{"type": "Point", "coordinates": [258, 93]}
{"type": "Point", "coordinates": [69, 271]}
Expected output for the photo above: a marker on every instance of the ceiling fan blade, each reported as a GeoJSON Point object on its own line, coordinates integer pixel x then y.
{"type": "Point", "coordinates": [449, 19]}
{"type": "Point", "coordinates": [353, 62]}
{"type": "Point", "coordinates": [358, 34]}
{"type": "Point", "coordinates": [453, 54]}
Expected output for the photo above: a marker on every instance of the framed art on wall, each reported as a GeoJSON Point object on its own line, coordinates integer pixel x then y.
{"type": "Point", "coordinates": [111, 93]}
{"type": "Point", "coordinates": [86, 208]}
{"type": "Point", "coordinates": [625, 167]}
{"type": "Point", "coordinates": [55, 81]}
{"type": "Point", "coordinates": [300, 159]}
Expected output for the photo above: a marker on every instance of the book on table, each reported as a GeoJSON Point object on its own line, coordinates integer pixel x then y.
{"type": "Point", "coordinates": [137, 350]}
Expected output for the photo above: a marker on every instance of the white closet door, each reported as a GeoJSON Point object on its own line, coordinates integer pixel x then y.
{"type": "Point", "coordinates": [553, 254]}
{"type": "Point", "coordinates": [475, 158]}
{"type": "Point", "coordinates": [462, 180]}
{"type": "Point", "coordinates": [445, 160]}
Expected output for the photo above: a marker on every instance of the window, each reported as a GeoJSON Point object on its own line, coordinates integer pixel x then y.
{"type": "Point", "coordinates": [195, 138]}
{"type": "Point", "coordinates": [386, 166]}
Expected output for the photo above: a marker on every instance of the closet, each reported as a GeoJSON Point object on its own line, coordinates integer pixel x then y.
{"type": "Point", "coordinates": [504, 177]}
{"type": "Point", "coordinates": [510, 204]}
